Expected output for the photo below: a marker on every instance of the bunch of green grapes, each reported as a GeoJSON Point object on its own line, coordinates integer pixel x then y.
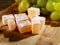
{"type": "Point", "coordinates": [51, 7]}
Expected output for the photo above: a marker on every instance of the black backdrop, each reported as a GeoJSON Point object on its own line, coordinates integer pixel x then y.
{"type": "Point", "coordinates": [5, 3]}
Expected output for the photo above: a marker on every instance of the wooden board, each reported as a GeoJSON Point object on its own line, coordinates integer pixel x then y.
{"type": "Point", "coordinates": [51, 36]}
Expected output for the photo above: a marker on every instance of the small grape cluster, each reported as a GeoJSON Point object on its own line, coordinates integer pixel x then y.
{"type": "Point", "coordinates": [46, 7]}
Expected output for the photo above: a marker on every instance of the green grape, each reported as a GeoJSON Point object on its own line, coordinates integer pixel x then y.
{"type": "Point", "coordinates": [42, 3]}
{"type": "Point", "coordinates": [50, 6]}
{"type": "Point", "coordinates": [23, 6]}
{"type": "Point", "coordinates": [57, 0]}
{"type": "Point", "coordinates": [55, 15]}
{"type": "Point", "coordinates": [33, 1]}
{"type": "Point", "coordinates": [36, 6]}
{"type": "Point", "coordinates": [44, 11]}
{"type": "Point", "coordinates": [57, 7]}
{"type": "Point", "coordinates": [18, 1]}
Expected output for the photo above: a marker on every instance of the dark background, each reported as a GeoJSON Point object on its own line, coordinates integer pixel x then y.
{"type": "Point", "coordinates": [5, 3]}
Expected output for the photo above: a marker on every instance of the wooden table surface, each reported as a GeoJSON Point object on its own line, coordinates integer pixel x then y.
{"type": "Point", "coordinates": [51, 35]}
{"type": "Point", "coordinates": [5, 3]}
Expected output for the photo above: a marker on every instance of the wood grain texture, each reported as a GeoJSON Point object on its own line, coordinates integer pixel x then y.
{"type": "Point", "coordinates": [5, 3]}
{"type": "Point", "coordinates": [50, 36]}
